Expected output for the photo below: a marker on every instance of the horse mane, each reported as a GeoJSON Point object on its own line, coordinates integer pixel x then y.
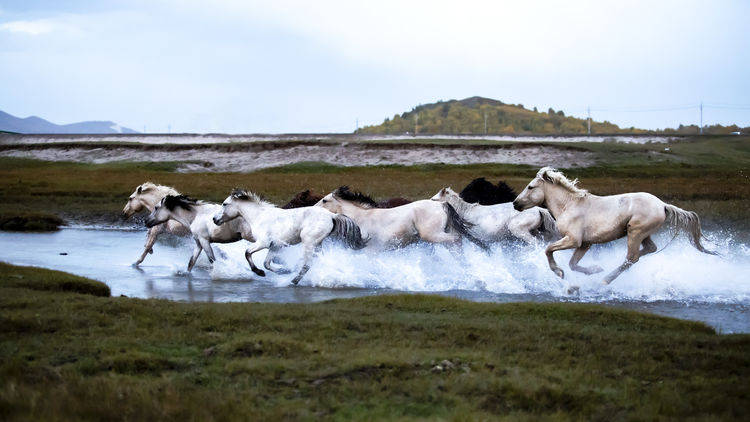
{"type": "Point", "coordinates": [149, 186]}
{"type": "Point", "coordinates": [306, 198]}
{"type": "Point", "coordinates": [554, 176]}
{"type": "Point", "coordinates": [359, 198]}
{"type": "Point", "coordinates": [246, 195]}
{"type": "Point", "coordinates": [182, 201]}
{"type": "Point", "coordinates": [483, 192]}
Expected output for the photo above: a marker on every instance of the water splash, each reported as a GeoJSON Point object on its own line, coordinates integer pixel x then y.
{"type": "Point", "coordinates": [677, 273]}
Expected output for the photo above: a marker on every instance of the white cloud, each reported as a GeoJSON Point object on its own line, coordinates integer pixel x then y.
{"type": "Point", "coordinates": [36, 27]}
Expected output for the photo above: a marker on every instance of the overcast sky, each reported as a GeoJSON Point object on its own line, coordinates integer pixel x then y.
{"type": "Point", "coordinates": [317, 66]}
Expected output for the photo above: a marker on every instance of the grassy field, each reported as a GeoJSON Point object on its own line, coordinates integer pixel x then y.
{"type": "Point", "coordinates": [707, 175]}
{"type": "Point", "coordinates": [66, 355]}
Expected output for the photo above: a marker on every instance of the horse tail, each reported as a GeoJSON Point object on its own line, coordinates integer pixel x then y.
{"type": "Point", "coordinates": [687, 221]}
{"type": "Point", "coordinates": [549, 226]}
{"type": "Point", "coordinates": [455, 222]}
{"type": "Point", "coordinates": [347, 230]}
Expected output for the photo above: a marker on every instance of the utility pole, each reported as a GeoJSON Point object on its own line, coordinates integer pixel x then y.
{"type": "Point", "coordinates": [416, 123]}
{"type": "Point", "coordinates": [357, 124]}
{"type": "Point", "coordinates": [588, 121]}
{"type": "Point", "coordinates": [485, 122]}
{"type": "Point", "coordinates": [701, 128]}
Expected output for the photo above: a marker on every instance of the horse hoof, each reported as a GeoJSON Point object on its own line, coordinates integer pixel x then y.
{"type": "Point", "coordinates": [260, 272]}
{"type": "Point", "coordinates": [558, 272]}
{"type": "Point", "coordinates": [574, 290]}
{"type": "Point", "coordinates": [295, 281]}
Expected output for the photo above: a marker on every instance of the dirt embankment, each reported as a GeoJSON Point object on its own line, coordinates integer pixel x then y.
{"type": "Point", "coordinates": [247, 157]}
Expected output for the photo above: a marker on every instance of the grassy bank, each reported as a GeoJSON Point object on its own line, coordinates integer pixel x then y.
{"type": "Point", "coordinates": [78, 356]}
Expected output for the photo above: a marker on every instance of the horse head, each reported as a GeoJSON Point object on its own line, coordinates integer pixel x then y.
{"type": "Point", "coordinates": [230, 208]}
{"type": "Point", "coordinates": [167, 207]}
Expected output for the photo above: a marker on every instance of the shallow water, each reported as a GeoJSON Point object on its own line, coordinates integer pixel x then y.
{"type": "Point", "coordinates": [678, 281]}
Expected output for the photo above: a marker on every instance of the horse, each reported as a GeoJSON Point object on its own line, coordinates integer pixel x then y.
{"type": "Point", "coordinates": [147, 196]}
{"type": "Point", "coordinates": [484, 192]}
{"type": "Point", "coordinates": [394, 227]}
{"type": "Point", "coordinates": [393, 202]}
{"type": "Point", "coordinates": [198, 217]}
{"type": "Point", "coordinates": [306, 198]}
{"type": "Point", "coordinates": [275, 227]}
{"type": "Point", "coordinates": [584, 219]}
{"type": "Point", "coordinates": [491, 223]}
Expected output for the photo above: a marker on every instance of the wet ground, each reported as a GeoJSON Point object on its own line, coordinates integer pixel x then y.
{"type": "Point", "coordinates": [678, 282]}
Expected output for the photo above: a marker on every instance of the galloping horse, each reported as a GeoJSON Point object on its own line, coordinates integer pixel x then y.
{"type": "Point", "coordinates": [274, 228]}
{"type": "Point", "coordinates": [393, 227]}
{"type": "Point", "coordinates": [483, 192]}
{"type": "Point", "coordinates": [197, 215]}
{"type": "Point", "coordinates": [147, 196]}
{"type": "Point", "coordinates": [585, 219]}
{"type": "Point", "coordinates": [494, 222]}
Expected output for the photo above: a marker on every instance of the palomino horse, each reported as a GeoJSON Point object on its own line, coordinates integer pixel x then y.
{"type": "Point", "coordinates": [147, 196]}
{"type": "Point", "coordinates": [483, 192]}
{"type": "Point", "coordinates": [275, 227]}
{"type": "Point", "coordinates": [491, 223]}
{"type": "Point", "coordinates": [584, 219]}
{"type": "Point", "coordinates": [393, 227]}
{"type": "Point", "coordinates": [198, 216]}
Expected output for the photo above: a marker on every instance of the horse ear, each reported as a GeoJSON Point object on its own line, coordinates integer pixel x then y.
{"type": "Point", "coordinates": [546, 177]}
{"type": "Point", "coordinates": [139, 190]}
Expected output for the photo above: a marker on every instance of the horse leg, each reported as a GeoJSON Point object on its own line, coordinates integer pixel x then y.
{"type": "Point", "coordinates": [206, 245]}
{"type": "Point", "coordinates": [257, 246]}
{"type": "Point", "coordinates": [310, 249]}
{"type": "Point", "coordinates": [566, 242]}
{"type": "Point", "coordinates": [521, 228]}
{"type": "Point", "coordinates": [148, 247]}
{"type": "Point", "coordinates": [577, 255]}
{"type": "Point", "coordinates": [196, 253]}
{"type": "Point", "coordinates": [635, 237]}
{"type": "Point", "coordinates": [648, 246]}
{"type": "Point", "coordinates": [271, 256]}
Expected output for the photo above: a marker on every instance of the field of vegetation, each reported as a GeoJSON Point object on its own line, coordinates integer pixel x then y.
{"type": "Point", "coordinates": [70, 352]}
{"type": "Point", "coordinates": [708, 175]}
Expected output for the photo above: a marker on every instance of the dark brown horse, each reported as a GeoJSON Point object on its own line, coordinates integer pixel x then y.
{"type": "Point", "coordinates": [482, 191]}
{"type": "Point", "coordinates": [308, 198]}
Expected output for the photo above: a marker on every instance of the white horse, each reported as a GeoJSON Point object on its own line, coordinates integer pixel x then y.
{"type": "Point", "coordinates": [584, 219]}
{"type": "Point", "coordinates": [492, 223]}
{"type": "Point", "coordinates": [275, 228]}
{"type": "Point", "coordinates": [426, 220]}
{"type": "Point", "coordinates": [198, 216]}
{"type": "Point", "coordinates": [147, 196]}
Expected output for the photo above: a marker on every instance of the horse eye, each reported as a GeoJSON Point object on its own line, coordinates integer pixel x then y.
{"type": "Point", "coordinates": [325, 201]}
{"type": "Point", "coordinates": [531, 187]}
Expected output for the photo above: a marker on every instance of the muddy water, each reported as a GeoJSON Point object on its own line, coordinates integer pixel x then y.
{"type": "Point", "coordinates": [678, 281]}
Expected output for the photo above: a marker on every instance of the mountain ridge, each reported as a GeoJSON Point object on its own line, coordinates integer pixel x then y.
{"type": "Point", "coordinates": [38, 125]}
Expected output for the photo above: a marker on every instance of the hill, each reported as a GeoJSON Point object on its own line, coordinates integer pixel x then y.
{"type": "Point", "coordinates": [34, 124]}
{"type": "Point", "coordinates": [467, 116]}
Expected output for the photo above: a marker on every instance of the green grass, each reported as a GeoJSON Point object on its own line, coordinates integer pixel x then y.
{"type": "Point", "coordinates": [68, 356]}
{"type": "Point", "coordinates": [13, 276]}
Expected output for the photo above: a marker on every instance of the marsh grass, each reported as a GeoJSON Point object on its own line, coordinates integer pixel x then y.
{"type": "Point", "coordinates": [68, 356]}
{"type": "Point", "coordinates": [30, 222]}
